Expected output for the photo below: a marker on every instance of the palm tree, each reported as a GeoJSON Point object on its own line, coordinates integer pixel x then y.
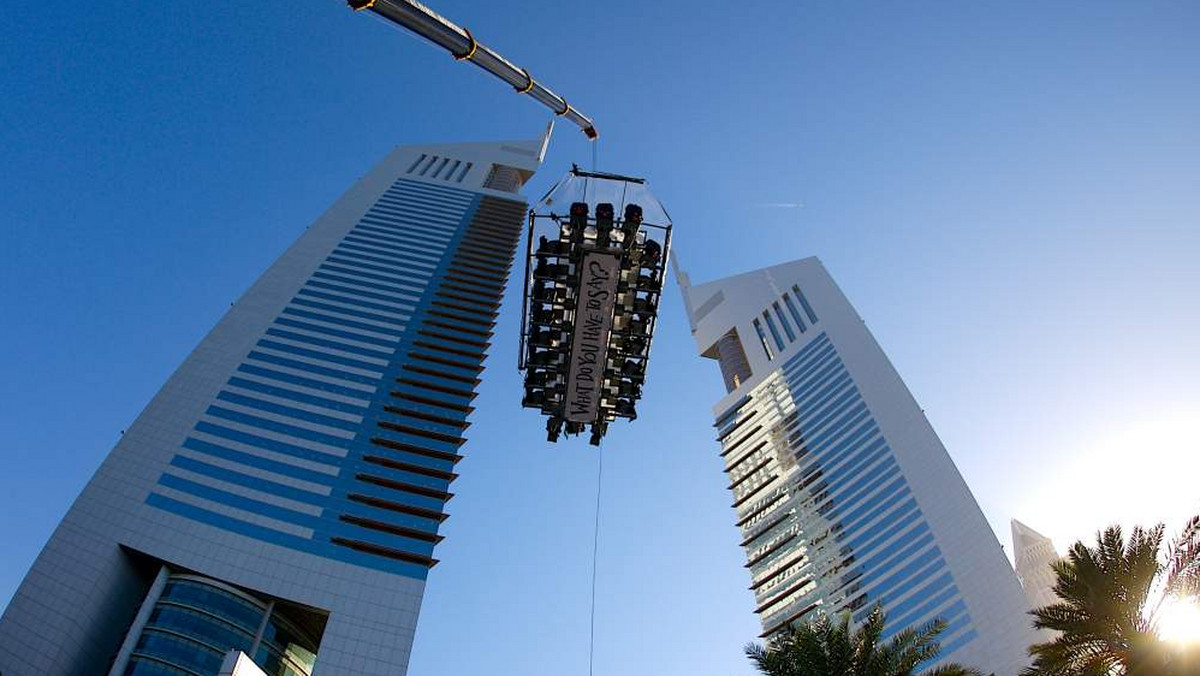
{"type": "Point", "coordinates": [1110, 596]}
{"type": "Point", "coordinates": [831, 648]}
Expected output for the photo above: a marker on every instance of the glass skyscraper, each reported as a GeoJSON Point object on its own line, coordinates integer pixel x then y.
{"type": "Point", "coordinates": [844, 496]}
{"type": "Point", "coordinates": [282, 493]}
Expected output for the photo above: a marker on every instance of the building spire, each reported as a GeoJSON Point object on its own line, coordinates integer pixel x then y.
{"type": "Point", "coordinates": [685, 286]}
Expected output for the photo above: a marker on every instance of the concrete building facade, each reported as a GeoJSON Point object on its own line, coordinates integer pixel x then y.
{"type": "Point", "coordinates": [844, 496]}
{"type": "Point", "coordinates": [282, 494]}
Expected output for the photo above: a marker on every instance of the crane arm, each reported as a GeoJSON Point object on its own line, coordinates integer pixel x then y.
{"type": "Point", "coordinates": [464, 47]}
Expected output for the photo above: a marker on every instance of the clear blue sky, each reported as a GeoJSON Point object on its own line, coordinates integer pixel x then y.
{"type": "Point", "coordinates": [1008, 191]}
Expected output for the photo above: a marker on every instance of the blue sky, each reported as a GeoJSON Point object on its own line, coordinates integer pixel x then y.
{"type": "Point", "coordinates": [1008, 192]}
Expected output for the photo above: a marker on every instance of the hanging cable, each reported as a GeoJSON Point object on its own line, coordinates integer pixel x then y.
{"type": "Point", "coordinates": [595, 549]}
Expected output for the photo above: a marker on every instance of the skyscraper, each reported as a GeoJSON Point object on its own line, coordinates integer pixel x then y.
{"type": "Point", "coordinates": [844, 495]}
{"type": "Point", "coordinates": [282, 493]}
{"type": "Point", "coordinates": [1033, 554]}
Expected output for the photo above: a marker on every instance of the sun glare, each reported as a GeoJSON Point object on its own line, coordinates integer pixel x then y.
{"type": "Point", "coordinates": [1179, 620]}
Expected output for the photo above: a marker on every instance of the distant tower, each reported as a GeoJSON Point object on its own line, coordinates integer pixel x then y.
{"type": "Point", "coordinates": [1034, 553]}
{"type": "Point", "coordinates": [844, 495]}
{"type": "Point", "coordinates": [282, 494]}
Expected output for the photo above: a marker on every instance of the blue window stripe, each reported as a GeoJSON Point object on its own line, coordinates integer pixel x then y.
{"type": "Point", "coordinates": [326, 550]}
{"type": "Point", "coordinates": [434, 215]}
{"type": "Point", "coordinates": [847, 494]}
{"type": "Point", "coordinates": [432, 394]}
{"type": "Point", "coordinates": [385, 263]}
{"type": "Point", "coordinates": [850, 467]}
{"type": "Point", "coordinates": [951, 647]}
{"type": "Point", "coordinates": [331, 344]}
{"type": "Point", "coordinates": [409, 477]}
{"type": "Point", "coordinates": [251, 482]}
{"type": "Point", "coordinates": [192, 512]}
{"type": "Point", "coordinates": [267, 444]}
{"type": "Point", "coordinates": [315, 369]}
{"type": "Point", "coordinates": [414, 292]}
{"type": "Point", "coordinates": [847, 394]}
{"type": "Point", "coordinates": [397, 330]}
{"type": "Point", "coordinates": [818, 383]}
{"type": "Point", "coordinates": [878, 474]}
{"type": "Point", "coordinates": [389, 343]}
{"type": "Point", "coordinates": [401, 234]}
{"type": "Point", "coordinates": [407, 229]}
{"type": "Point", "coordinates": [355, 274]}
{"type": "Point", "coordinates": [285, 393]}
{"type": "Point", "coordinates": [787, 328]}
{"type": "Point", "coordinates": [791, 306]}
{"type": "Point", "coordinates": [353, 298]}
{"type": "Point", "coordinates": [933, 594]}
{"type": "Point", "coordinates": [890, 502]}
{"type": "Point", "coordinates": [944, 589]}
{"type": "Point", "coordinates": [352, 262]}
{"type": "Point", "coordinates": [402, 497]}
{"type": "Point", "coordinates": [348, 312]}
{"type": "Point", "coordinates": [394, 541]}
{"type": "Point", "coordinates": [237, 501]}
{"type": "Point", "coordinates": [762, 337]}
{"type": "Point", "coordinates": [804, 350]}
{"type": "Point", "coordinates": [821, 372]}
{"type": "Point", "coordinates": [854, 415]}
{"type": "Point", "coordinates": [405, 186]}
{"type": "Point", "coordinates": [812, 316]}
{"type": "Point", "coordinates": [426, 206]}
{"type": "Point", "coordinates": [956, 625]}
{"type": "Point", "coordinates": [890, 588]}
{"type": "Point", "coordinates": [321, 356]}
{"type": "Point", "coordinates": [827, 458]}
{"type": "Point", "coordinates": [910, 550]}
{"type": "Point", "coordinates": [302, 381]}
{"type": "Point", "coordinates": [774, 331]}
{"type": "Point", "coordinates": [282, 428]}
{"type": "Point", "coordinates": [423, 424]}
{"type": "Point", "coordinates": [288, 411]}
{"type": "Point", "coordinates": [386, 254]}
{"type": "Point", "coordinates": [891, 489]}
{"type": "Point", "coordinates": [400, 296]}
{"type": "Point", "coordinates": [896, 521]}
{"type": "Point", "coordinates": [378, 246]}
{"type": "Point", "coordinates": [867, 564]}
{"type": "Point", "coordinates": [218, 451]}
{"type": "Point", "coordinates": [388, 516]}
{"type": "Point", "coordinates": [818, 405]}
{"type": "Point", "coordinates": [830, 457]}
{"type": "Point", "coordinates": [411, 458]}
{"type": "Point", "coordinates": [421, 442]}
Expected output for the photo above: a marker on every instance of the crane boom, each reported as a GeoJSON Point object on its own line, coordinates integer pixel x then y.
{"type": "Point", "coordinates": [464, 47]}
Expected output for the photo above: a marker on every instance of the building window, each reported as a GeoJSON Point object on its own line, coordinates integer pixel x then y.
{"type": "Point", "coordinates": [774, 331]}
{"type": "Point", "coordinates": [791, 306]}
{"type": "Point", "coordinates": [762, 338]}
{"type": "Point", "coordinates": [812, 316]}
{"type": "Point", "coordinates": [787, 327]}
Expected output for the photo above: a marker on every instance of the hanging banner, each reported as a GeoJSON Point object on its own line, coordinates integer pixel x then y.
{"type": "Point", "coordinates": [598, 277]}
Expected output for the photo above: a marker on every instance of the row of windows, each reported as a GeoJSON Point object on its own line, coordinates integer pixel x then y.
{"type": "Point", "coordinates": [278, 437]}
{"type": "Point", "coordinates": [853, 481]}
{"type": "Point", "coordinates": [787, 320]}
{"type": "Point", "coordinates": [194, 624]}
{"type": "Point", "coordinates": [433, 166]}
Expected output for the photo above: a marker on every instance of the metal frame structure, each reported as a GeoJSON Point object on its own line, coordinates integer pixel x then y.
{"type": "Point", "coordinates": [463, 46]}
{"type": "Point", "coordinates": [554, 294]}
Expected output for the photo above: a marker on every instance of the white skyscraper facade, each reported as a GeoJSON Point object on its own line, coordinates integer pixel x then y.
{"type": "Point", "coordinates": [843, 493]}
{"type": "Point", "coordinates": [1034, 557]}
{"type": "Point", "coordinates": [282, 494]}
